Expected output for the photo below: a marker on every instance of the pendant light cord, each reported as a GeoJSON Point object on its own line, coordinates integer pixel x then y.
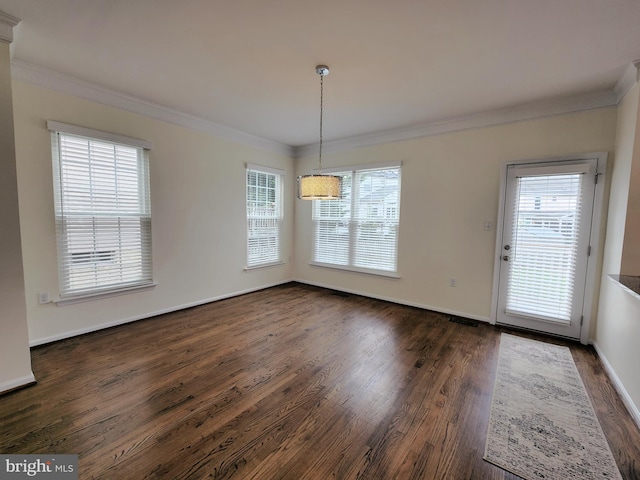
{"type": "Point", "coordinates": [321, 112]}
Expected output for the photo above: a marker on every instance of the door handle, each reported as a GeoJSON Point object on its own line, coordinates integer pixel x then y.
{"type": "Point", "coordinates": [505, 258]}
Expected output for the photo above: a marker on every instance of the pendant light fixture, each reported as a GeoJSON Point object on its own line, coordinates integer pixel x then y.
{"type": "Point", "coordinates": [319, 186]}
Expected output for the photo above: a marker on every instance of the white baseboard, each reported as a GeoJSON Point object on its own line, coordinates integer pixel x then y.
{"type": "Point", "coordinates": [115, 323]}
{"type": "Point", "coordinates": [617, 383]}
{"type": "Point", "coordinates": [123, 321]}
{"type": "Point", "coordinates": [17, 383]}
{"type": "Point", "coordinates": [401, 302]}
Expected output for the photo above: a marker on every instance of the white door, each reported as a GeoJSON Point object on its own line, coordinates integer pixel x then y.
{"type": "Point", "coordinates": [548, 210]}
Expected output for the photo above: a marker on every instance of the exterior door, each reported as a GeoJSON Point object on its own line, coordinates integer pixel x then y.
{"type": "Point", "coordinates": [548, 210]}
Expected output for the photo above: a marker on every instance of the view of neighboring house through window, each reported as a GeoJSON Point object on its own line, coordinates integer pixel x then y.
{"type": "Point", "coordinates": [544, 245]}
{"type": "Point", "coordinates": [264, 215]}
{"type": "Point", "coordinates": [360, 231]}
{"type": "Point", "coordinates": [102, 210]}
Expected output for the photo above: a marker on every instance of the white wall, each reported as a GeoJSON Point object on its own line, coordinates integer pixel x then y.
{"type": "Point", "coordinates": [631, 132]}
{"type": "Point", "coordinates": [15, 361]}
{"type": "Point", "coordinates": [450, 187]}
{"type": "Point", "coordinates": [618, 328]}
{"type": "Point", "coordinates": [197, 204]}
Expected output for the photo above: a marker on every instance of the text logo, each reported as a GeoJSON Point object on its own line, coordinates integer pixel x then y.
{"type": "Point", "coordinates": [51, 467]}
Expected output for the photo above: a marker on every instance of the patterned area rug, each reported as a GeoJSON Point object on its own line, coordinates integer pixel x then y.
{"type": "Point", "coordinates": [542, 424]}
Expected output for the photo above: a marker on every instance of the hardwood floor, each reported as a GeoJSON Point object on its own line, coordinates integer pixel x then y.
{"type": "Point", "coordinates": [292, 382]}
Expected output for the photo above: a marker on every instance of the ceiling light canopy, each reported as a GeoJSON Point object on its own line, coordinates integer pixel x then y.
{"type": "Point", "coordinates": [319, 186]}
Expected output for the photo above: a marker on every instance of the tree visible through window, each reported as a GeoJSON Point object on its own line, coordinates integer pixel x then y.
{"type": "Point", "coordinates": [360, 231]}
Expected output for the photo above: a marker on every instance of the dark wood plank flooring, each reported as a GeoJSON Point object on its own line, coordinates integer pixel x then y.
{"type": "Point", "coordinates": [292, 382]}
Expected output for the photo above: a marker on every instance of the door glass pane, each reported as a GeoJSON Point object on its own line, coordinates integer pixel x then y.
{"type": "Point", "coordinates": [544, 246]}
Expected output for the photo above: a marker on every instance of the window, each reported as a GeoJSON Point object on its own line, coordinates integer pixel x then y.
{"type": "Point", "coordinates": [264, 215]}
{"type": "Point", "coordinates": [360, 231]}
{"type": "Point", "coordinates": [102, 210]}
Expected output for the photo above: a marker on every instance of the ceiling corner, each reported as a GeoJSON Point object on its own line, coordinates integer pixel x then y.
{"type": "Point", "coordinates": [7, 22]}
{"type": "Point", "coordinates": [628, 79]}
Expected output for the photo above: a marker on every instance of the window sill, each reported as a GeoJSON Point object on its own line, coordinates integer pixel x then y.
{"type": "Point", "coordinates": [366, 271]}
{"type": "Point", "coordinates": [629, 283]}
{"type": "Point", "coordinates": [263, 265]}
{"type": "Point", "coordinates": [100, 295]}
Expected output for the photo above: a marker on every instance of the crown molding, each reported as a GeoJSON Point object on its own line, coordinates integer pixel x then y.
{"type": "Point", "coordinates": [529, 111]}
{"type": "Point", "coordinates": [628, 79]}
{"type": "Point", "coordinates": [7, 22]}
{"type": "Point", "coordinates": [52, 80]}
{"type": "Point", "coordinates": [46, 78]}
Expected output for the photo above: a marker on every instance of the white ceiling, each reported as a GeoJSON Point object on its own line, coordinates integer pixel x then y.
{"type": "Point", "coordinates": [250, 64]}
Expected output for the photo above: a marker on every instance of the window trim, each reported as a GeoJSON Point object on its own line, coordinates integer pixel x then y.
{"type": "Point", "coordinates": [69, 129]}
{"type": "Point", "coordinates": [264, 265]}
{"type": "Point", "coordinates": [358, 168]}
{"type": "Point", "coordinates": [347, 268]}
{"type": "Point", "coordinates": [71, 300]}
{"type": "Point", "coordinates": [143, 146]}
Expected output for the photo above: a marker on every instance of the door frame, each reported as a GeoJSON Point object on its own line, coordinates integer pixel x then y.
{"type": "Point", "coordinates": [590, 306]}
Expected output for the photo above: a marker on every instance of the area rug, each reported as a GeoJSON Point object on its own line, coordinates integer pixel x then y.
{"type": "Point", "coordinates": [542, 423]}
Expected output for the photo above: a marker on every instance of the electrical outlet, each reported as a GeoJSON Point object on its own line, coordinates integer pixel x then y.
{"type": "Point", "coordinates": [43, 298]}
{"type": "Point", "coordinates": [453, 282]}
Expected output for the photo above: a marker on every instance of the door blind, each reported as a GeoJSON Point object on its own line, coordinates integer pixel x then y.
{"type": "Point", "coordinates": [544, 249]}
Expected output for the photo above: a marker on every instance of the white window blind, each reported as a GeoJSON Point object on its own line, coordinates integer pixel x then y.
{"type": "Point", "coordinates": [331, 220]}
{"type": "Point", "coordinates": [360, 231]}
{"type": "Point", "coordinates": [103, 214]}
{"type": "Point", "coordinates": [544, 246]}
{"type": "Point", "coordinates": [264, 216]}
